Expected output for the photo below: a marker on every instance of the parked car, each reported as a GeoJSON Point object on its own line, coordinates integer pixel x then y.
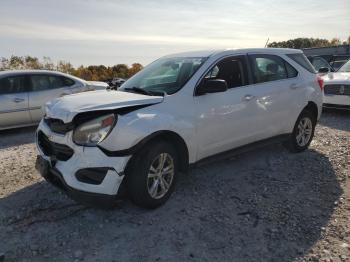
{"type": "Point", "coordinates": [337, 88]}
{"type": "Point", "coordinates": [115, 82]}
{"type": "Point", "coordinates": [23, 94]}
{"type": "Point", "coordinates": [178, 111]}
{"type": "Point", "coordinates": [338, 61]}
{"type": "Point", "coordinates": [319, 62]}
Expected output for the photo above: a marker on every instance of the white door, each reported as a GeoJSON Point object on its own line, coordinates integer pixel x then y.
{"type": "Point", "coordinates": [228, 119]}
{"type": "Point", "coordinates": [13, 102]}
{"type": "Point", "coordinates": [277, 92]}
{"type": "Point", "coordinates": [44, 88]}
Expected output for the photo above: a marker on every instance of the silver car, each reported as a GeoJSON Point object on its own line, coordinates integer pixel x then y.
{"type": "Point", "coordinates": [23, 94]}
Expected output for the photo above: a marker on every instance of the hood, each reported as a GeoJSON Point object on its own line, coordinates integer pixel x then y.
{"type": "Point", "coordinates": [67, 107]}
{"type": "Point", "coordinates": [337, 78]}
{"type": "Point", "coordinates": [97, 84]}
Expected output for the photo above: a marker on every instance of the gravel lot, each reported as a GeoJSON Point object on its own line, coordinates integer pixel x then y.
{"type": "Point", "coordinates": [264, 205]}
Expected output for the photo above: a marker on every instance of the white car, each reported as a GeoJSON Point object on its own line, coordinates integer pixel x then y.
{"type": "Point", "coordinates": [23, 94]}
{"type": "Point", "coordinates": [179, 110]}
{"type": "Point", "coordinates": [337, 88]}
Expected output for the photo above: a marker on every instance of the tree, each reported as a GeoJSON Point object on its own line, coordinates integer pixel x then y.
{"type": "Point", "coordinates": [65, 67]}
{"type": "Point", "coordinates": [299, 43]}
{"type": "Point", "coordinates": [335, 41]}
{"type": "Point", "coordinates": [120, 70]}
{"type": "Point", "coordinates": [92, 72]}
{"type": "Point", "coordinates": [47, 63]}
{"type": "Point", "coordinates": [32, 63]}
{"type": "Point", "coordinates": [135, 67]}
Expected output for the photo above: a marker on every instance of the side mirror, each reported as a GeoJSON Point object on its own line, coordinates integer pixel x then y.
{"type": "Point", "coordinates": [212, 86]}
{"type": "Point", "coordinates": [323, 70]}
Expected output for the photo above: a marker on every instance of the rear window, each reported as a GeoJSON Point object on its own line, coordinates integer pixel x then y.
{"type": "Point", "coordinates": [302, 61]}
{"type": "Point", "coordinates": [67, 81]}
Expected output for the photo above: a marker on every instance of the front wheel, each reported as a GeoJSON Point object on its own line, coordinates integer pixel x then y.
{"type": "Point", "coordinates": [303, 132]}
{"type": "Point", "coordinates": [153, 175]}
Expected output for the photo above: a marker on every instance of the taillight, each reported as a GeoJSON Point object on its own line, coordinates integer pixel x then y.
{"type": "Point", "coordinates": [320, 82]}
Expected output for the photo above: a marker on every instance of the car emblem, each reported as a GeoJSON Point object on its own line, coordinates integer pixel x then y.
{"type": "Point", "coordinates": [341, 90]}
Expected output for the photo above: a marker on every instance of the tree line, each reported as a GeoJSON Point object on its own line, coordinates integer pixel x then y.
{"type": "Point", "coordinates": [90, 73]}
{"type": "Point", "coordinates": [300, 43]}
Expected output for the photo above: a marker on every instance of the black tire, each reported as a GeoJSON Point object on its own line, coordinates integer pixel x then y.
{"type": "Point", "coordinates": [292, 143]}
{"type": "Point", "coordinates": [137, 174]}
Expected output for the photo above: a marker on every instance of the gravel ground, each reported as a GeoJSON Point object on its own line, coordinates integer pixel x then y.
{"type": "Point", "coordinates": [264, 205]}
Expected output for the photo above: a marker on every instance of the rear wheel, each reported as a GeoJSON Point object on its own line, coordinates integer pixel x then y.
{"type": "Point", "coordinates": [303, 132]}
{"type": "Point", "coordinates": [152, 175]}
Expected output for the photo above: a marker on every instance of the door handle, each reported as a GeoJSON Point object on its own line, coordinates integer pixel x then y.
{"type": "Point", "coordinates": [248, 97]}
{"type": "Point", "coordinates": [294, 86]}
{"type": "Point", "coordinates": [18, 100]}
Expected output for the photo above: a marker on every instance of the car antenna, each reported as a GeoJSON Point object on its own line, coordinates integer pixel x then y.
{"type": "Point", "coordinates": [267, 41]}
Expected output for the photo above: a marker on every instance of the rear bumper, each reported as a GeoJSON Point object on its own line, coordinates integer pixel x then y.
{"type": "Point", "coordinates": [341, 100]}
{"type": "Point", "coordinates": [336, 106]}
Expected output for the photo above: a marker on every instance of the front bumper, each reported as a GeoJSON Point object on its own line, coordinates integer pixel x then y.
{"type": "Point", "coordinates": [67, 167]}
{"type": "Point", "coordinates": [54, 176]}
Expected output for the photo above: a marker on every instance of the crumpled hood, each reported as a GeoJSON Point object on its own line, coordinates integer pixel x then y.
{"type": "Point", "coordinates": [337, 78]}
{"type": "Point", "coordinates": [67, 107]}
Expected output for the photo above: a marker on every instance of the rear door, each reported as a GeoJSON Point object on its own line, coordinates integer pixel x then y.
{"type": "Point", "coordinates": [13, 102]}
{"type": "Point", "coordinates": [277, 92]}
{"type": "Point", "coordinates": [45, 87]}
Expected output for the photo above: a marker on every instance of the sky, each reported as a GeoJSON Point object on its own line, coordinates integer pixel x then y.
{"type": "Point", "coordinates": [111, 32]}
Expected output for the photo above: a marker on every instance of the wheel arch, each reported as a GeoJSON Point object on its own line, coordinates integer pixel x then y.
{"type": "Point", "coordinates": [164, 135]}
{"type": "Point", "coordinates": [176, 140]}
{"type": "Point", "coordinates": [312, 107]}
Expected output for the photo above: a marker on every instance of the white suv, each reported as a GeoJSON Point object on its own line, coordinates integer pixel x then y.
{"type": "Point", "coordinates": [179, 110]}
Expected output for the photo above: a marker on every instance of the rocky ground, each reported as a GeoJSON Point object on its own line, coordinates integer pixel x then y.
{"type": "Point", "coordinates": [264, 205]}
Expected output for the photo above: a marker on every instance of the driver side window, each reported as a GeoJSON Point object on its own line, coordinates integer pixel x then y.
{"type": "Point", "coordinates": [232, 70]}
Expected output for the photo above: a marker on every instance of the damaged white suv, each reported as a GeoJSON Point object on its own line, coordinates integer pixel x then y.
{"type": "Point", "coordinates": [179, 110]}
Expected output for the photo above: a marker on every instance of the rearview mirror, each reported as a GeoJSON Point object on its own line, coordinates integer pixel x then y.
{"type": "Point", "coordinates": [212, 86]}
{"type": "Point", "coordinates": [323, 70]}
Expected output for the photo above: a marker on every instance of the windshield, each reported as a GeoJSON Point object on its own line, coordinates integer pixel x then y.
{"type": "Point", "coordinates": [164, 75]}
{"type": "Point", "coordinates": [345, 67]}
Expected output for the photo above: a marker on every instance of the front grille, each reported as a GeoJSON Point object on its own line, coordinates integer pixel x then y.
{"type": "Point", "coordinates": [49, 148]}
{"type": "Point", "coordinates": [58, 126]}
{"type": "Point", "coordinates": [337, 90]}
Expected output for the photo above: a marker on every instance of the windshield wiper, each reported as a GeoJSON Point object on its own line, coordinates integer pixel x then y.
{"type": "Point", "coordinates": [145, 92]}
{"type": "Point", "coordinates": [138, 90]}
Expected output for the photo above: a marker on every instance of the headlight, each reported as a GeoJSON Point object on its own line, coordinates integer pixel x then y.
{"type": "Point", "coordinates": [94, 131]}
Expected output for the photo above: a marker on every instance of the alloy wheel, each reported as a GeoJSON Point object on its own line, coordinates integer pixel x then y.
{"type": "Point", "coordinates": [160, 175]}
{"type": "Point", "coordinates": [304, 132]}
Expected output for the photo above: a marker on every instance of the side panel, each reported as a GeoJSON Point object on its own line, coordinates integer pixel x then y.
{"type": "Point", "coordinates": [38, 99]}
{"type": "Point", "coordinates": [14, 110]}
{"type": "Point", "coordinates": [174, 114]}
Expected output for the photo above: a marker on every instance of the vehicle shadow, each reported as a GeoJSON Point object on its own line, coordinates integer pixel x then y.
{"type": "Point", "coordinates": [17, 136]}
{"type": "Point", "coordinates": [336, 118]}
{"type": "Point", "coordinates": [264, 205]}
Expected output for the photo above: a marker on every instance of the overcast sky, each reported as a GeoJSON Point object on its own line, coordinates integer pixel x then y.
{"type": "Point", "coordinates": [111, 32]}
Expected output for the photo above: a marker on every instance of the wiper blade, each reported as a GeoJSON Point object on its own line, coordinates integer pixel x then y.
{"type": "Point", "coordinates": [138, 90]}
{"type": "Point", "coordinates": [146, 92]}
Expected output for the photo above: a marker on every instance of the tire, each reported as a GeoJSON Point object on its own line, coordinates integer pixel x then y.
{"type": "Point", "coordinates": [144, 171]}
{"type": "Point", "coordinates": [308, 122]}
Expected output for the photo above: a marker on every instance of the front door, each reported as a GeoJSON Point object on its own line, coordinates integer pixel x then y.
{"type": "Point", "coordinates": [228, 119]}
